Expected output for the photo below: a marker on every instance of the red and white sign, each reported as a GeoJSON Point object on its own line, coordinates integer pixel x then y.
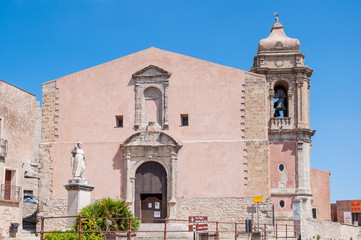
{"type": "Point", "coordinates": [355, 206]}
{"type": "Point", "coordinates": [198, 223]}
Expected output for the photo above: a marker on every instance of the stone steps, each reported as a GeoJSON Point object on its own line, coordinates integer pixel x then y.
{"type": "Point", "coordinates": [180, 231]}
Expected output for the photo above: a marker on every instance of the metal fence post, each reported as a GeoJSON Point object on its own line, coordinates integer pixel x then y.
{"type": "Point", "coordinates": [42, 229]}
{"type": "Point", "coordinates": [265, 232]}
{"type": "Point", "coordinates": [217, 233]}
{"type": "Point", "coordinates": [79, 227]}
{"type": "Point", "coordinates": [286, 231]}
{"type": "Point", "coordinates": [130, 229]}
{"type": "Point", "coordinates": [276, 232]}
{"type": "Point", "coordinates": [235, 231]}
{"type": "Point", "coordinates": [165, 229]}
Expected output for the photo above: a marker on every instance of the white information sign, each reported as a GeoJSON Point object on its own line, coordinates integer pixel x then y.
{"type": "Point", "coordinates": [156, 205]}
{"type": "Point", "coordinates": [296, 211]}
{"type": "Point", "coordinates": [150, 205]}
{"type": "Point", "coordinates": [157, 214]}
{"type": "Point", "coordinates": [347, 217]}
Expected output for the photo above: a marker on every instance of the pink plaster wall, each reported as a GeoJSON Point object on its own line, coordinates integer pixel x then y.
{"type": "Point", "coordinates": [288, 203]}
{"type": "Point", "coordinates": [320, 186]}
{"type": "Point", "coordinates": [284, 153]}
{"type": "Point", "coordinates": [208, 92]}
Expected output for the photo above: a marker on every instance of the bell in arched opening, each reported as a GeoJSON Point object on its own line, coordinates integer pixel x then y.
{"type": "Point", "coordinates": [280, 103]}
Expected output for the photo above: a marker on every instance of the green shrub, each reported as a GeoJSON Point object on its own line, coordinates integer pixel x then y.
{"type": "Point", "coordinates": [106, 207]}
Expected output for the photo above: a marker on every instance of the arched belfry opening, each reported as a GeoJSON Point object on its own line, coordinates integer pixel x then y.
{"type": "Point", "coordinates": [280, 100]}
{"type": "Point", "coordinates": [150, 174]}
{"type": "Point", "coordinates": [151, 192]}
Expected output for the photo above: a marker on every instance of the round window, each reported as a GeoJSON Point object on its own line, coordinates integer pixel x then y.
{"type": "Point", "coordinates": [281, 167]}
{"type": "Point", "coordinates": [282, 204]}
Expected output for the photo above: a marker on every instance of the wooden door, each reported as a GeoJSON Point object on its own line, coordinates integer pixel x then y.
{"type": "Point", "coordinates": [151, 181]}
{"type": "Point", "coordinates": [7, 193]}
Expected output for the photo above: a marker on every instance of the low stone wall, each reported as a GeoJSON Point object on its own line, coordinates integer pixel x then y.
{"type": "Point", "coordinates": [311, 228]}
{"type": "Point", "coordinates": [54, 208]}
{"type": "Point", "coordinates": [223, 209]}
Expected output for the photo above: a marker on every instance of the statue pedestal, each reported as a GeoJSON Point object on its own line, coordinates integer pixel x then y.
{"type": "Point", "coordinates": [79, 196]}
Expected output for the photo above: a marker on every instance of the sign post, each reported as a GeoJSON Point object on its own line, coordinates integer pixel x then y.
{"type": "Point", "coordinates": [257, 199]}
{"type": "Point", "coordinates": [196, 224]}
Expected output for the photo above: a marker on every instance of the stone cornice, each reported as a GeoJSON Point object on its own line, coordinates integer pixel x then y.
{"type": "Point", "coordinates": [78, 187]}
{"type": "Point", "coordinates": [284, 135]}
{"type": "Point", "coordinates": [265, 70]}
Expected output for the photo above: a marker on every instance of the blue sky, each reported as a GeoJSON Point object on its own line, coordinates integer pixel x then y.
{"type": "Point", "coordinates": [46, 39]}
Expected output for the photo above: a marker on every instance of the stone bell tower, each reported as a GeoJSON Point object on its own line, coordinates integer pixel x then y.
{"type": "Point", "coordinates": [279, 59]}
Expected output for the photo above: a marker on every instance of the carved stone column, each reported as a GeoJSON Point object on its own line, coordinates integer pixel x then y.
{"type": "Point", "coordinates": [128, 185]}
{"type": "Point", "coordinates": [138, 107]}
{"type": "Point", "coordinates": [173, 197]}
{"type": "Point", "coordinates": [271, 102]}
{"type": "Point", "coordinates": [299, 84]}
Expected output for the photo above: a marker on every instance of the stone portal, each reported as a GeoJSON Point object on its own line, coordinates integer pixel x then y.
{"type": "Point", "coordinates": [151, 172]}
{"type": "Point", "coordinates": [151, 192]}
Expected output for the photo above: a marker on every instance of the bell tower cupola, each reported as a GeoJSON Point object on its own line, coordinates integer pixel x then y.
{"type": "Point", "coordinates": [279, 59]}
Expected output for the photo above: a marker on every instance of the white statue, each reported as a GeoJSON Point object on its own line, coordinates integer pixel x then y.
{"type": "Point", "coordinates": [77, 161]}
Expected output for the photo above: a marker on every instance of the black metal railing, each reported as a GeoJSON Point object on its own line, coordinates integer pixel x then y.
{"type": "Point", "coordinates": [3, 147]}
{"type": "Point", "coordinates": [10, 192]}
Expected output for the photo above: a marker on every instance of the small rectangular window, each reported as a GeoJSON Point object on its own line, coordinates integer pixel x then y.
{"type": "Point", "coordinates": [28, 192]}
{"type": "Point", "coordinates": [184, 120]}
{"type": "Point", "coordinates": [119, 121]}
{"type": "Point", "coordinates": [314, 213]}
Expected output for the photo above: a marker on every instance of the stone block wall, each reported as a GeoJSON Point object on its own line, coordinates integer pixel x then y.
{"type": "Point", "coordinates": [29, 213]}
{"type": "Point", "coordinates": [55, 208]}
{"type": "Point", "coordinates": [18, 120]}
{"type": "Point", "coordinates": [223, 209]}
{"type": "Point", "coordinates": [10, 213]}
{"type": "Point", "coordinates": [50, 115]}
{"type": "Point", "coordinates": [329, 230]}
{"type": "Point", "coordinates": [256, 134]}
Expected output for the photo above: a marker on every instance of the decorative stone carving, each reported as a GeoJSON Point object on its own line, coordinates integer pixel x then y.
{"type": "Point", "coordinates": [278, 45]}
{"type": "Point", "coordinates": [77, 162]}
{"type": "Point", "coordinates": [151, 83]}
{"type": "Point", "coordinates": [278, 62]}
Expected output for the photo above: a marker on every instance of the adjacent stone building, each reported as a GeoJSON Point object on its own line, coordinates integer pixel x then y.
{"type": "Point", "coordinates": [19, 141]}
{"type": "Point", "coordinates": [196, 137]}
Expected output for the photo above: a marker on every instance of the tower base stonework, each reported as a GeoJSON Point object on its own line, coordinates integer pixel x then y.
{"type": "Point", "coordinates": [79, 196]}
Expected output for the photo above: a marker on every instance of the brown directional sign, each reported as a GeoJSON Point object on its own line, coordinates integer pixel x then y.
{"type": "Point", "coordinates": [197, 219]}
{"type": "Point", "coordinates": [198, 223]}
{"type": "Point", "coordinates": [198, 227]}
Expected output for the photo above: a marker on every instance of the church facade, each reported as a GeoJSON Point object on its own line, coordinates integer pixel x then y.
{"type": "Point", "coordinates": [196, 137]}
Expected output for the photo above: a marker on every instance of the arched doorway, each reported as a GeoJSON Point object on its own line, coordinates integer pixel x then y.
{"type": "Point", "coordinates": [151, 192]}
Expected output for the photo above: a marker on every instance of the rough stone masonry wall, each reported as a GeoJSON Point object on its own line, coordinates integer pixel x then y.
{"type": "Point", "coordinates": [223, 209]}
{"type": "Point", "coordinates": [49, 130]}
{"type": "Point", "coordinates": [10, 213]}
{"type": "Point", "coordinates": [29, 213]}
{"type": "Point", "coordinates": [256, 134]}
{"type": "Point", "coordinates": [311, 228]}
